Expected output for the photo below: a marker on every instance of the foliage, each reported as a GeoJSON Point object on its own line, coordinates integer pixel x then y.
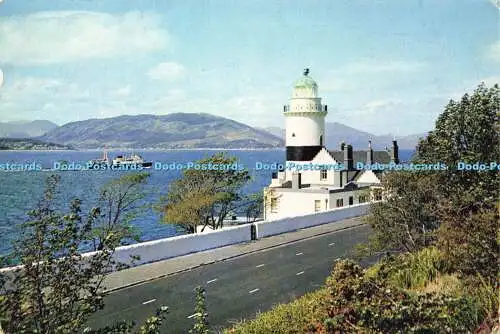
{"type": "Point", "coordinates": [205, 196]}
{"type": "Point", "coordinates": [470, 242]}
{"type": "Point", "coordinates": [118, 203]}
{"type": "Point", "coordinates": [415, 270]}
{"type": "Point", "coordinates": [406, 220]}
{"type": "Point", "coordinates": [467, 131]}
{"type": "Point", "coordinates": [201, 325]}
{"type": "Point", "coordinates": [55, 288]}
{"type": "Point", "coordinates": [284, 318]}
{"type": "Point", "coordinates": [359, 303]}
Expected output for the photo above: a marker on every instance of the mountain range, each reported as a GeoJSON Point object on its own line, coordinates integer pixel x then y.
{"type": "Point", "coordinates": [25, 129]}
{"type": "Point", "coordinates": [337, 133]}
{"type": "Point", "coordinates": [184, 131]}
{"type": "Point", "coordinates": [171, 131]}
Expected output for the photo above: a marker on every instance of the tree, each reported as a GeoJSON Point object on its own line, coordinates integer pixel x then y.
{"type": "Point", "coordinates": [467, 131]}
{"type": "Point", "coordinates": [205, 196]}
{"type": "Point", "coordinates": [201, 325]}
{"type": "Point", "coordinates": [55, 288]}
{"type": "Point", "coordinates": [418, 203]}
{"type": "Point", "coordinates": [406, 219]}
{"type": "Point", "coordinates": [118, 203]}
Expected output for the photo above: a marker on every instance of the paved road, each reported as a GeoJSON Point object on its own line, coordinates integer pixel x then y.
{"type": "Point", "coordinates": [236, 288]}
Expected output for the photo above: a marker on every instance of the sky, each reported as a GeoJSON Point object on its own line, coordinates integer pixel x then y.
{"type": "Point", "coordinates": [381, 66]}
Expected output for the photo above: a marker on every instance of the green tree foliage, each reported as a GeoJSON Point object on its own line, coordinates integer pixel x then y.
{"type": "Point", "coordinates": [201, 318]}
{"type": "Point", "coordinates": [118, 205]}
{"type": "Point", "coordinates": [55, 288]}
{"type": "Point", "coordinates": [407, 219]}
{"type": "Point", "coordinates": [418, 203]}
{"type": "Point", "coordinates": [360, 303]}
{"type": "Point", "coordinates": [205, 196]}
{"type": "Point", "coordinates": [467, 131]}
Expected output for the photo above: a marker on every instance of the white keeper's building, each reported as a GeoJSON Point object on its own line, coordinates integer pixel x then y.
{"type": "Point", "coordinates": [334, 180]}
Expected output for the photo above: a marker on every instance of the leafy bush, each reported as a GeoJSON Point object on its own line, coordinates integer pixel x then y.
{"type": "Point", "coordinates": [285, 318]}
{"type": "Point", "coordinates": [360, 303]}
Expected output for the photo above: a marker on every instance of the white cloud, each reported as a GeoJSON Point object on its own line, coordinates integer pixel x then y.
{"type": "Point", "coordinates": [65, 36]}
{"type": "Point", "coordinates": [379, 106]}
{"type": "Point", "coordinates": [121, 92]}
{"type": "Point", "coordinates": [169, 71]}
{"type": "Point", "coordinates": [372, 66]}
{"type": "Point", "coordinates": [494, 51]}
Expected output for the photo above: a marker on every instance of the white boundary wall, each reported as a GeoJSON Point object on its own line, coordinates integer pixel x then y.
{"type": "Point", "coordinates": [288, 224]}
{"type": "Point", "coordinates": [162, 249]}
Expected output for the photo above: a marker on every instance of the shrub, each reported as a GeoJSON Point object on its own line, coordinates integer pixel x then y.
{"type": "Point", "coordinates": [360, 303]}
{"type": "Point", "coordinates": [285, 318]}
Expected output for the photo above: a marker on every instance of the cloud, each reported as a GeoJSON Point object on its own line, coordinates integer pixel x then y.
{"type": "Point", "coordinates": [169, 71]}
{"type": "Point", "coordinates": [371, 66]}
{"type": "Point", "coordinates": [121, 92]}
{"type": "Point", "coordinates": [66, 36]}
{"type": "Point", "coordinates": [494, 51]}
{"type": "Point", "coordinates": [1, 74]}
{"type": "Point", "coordinates": [379, 106]}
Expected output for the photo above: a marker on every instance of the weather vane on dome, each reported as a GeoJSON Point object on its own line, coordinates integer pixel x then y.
{"type": "Point", "coordinates": [306, 71]}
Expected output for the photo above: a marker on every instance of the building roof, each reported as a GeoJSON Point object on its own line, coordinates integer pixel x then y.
{"type": "Point", "coordinates": [381, 157]}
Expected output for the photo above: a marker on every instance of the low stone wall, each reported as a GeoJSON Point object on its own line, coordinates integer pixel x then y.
{"type": "Point", "coordinates": [265, 229]}
{"type": "Point", "coordinates": [162, 249]}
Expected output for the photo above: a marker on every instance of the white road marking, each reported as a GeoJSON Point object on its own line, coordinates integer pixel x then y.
{"type": "Point", "coordinates": [297, 274]}
{"type": "Point", "coordinates": [331, 244]}
{"type": "Point", "coordinates": [260, 265]}
{"type": "Point", "coordinates": [149, 301]}
{"type": "Point", "coordinates": [254, 290]}
{"type": "Point", "coordinates": [299, 254]}
{"type": "Point", "coordinates": [193, 315]}
{"type": "Point", "coordinates": [212, 280]}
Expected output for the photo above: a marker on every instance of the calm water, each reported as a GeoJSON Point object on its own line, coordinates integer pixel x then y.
{"type": "Point", "coordinates": [20, 191]}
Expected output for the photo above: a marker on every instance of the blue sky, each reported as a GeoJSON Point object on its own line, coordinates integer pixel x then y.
{"type": "Point", "coordinates": [381, 66]}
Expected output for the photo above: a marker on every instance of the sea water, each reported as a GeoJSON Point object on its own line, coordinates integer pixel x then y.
{"type": "Point", "coordinates": [20, 191]}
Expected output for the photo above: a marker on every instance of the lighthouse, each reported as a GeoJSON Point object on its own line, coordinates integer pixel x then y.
{"type": "Point", "coordinates": [304, 121]}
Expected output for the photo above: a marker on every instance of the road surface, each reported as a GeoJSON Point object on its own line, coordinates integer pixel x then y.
{"type": "Point", "coordinates": [237, 288]}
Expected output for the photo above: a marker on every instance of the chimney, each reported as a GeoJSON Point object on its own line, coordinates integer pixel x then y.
{"type": "Point", "coordinates": [369, 154]}
{"type": "Point", "coordinates": [395, 152]}
{"type": "Point", "coordinates": [348, 161]}
{"type": "Point", "coordinates": [296, 180]}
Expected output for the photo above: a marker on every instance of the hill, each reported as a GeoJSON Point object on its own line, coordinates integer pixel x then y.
{"type": "Point", "coordinates": [172, 131]}
{"type": "Point", "coordinates": [337, 132]}
{"type": "Point", "coordinates": [26, 129]}
{"type": "Point", "coordinates": [29, 144]}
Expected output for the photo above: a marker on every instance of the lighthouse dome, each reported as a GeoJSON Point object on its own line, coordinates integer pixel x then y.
{"type": "Point", "coordinates": [305, 86]}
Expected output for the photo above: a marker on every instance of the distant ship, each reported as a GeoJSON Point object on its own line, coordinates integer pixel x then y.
{"type": "Point", "coordinates": [132, 160]}
{"type": "Point", "coordinates": [122, 162]}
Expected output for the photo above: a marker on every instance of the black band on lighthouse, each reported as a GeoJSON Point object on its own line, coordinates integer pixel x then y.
{"type": "Point", "coordinates": [302, 153]}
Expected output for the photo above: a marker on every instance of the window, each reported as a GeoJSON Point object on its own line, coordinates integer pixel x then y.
{"type": "Point", "coordinates": [317, 205]}
{"type": "Point", "coordinates": [274, 205]}
{"type": "Point", "coordinates": [351, 200]}
{"type": "Point", "coordinates": [323, 174]}
{"type": "Point", "coordinates": [321, 140]}
{"type": "Point", "coordinates": [293, 134]}
{"type": "Point", "coordinates": [326, 204]}
{"type": "Point", "coordinates": [340, 202]}
{"type": "Point", "coordinates": [362, 199]}
{"type": "Point", "coordinates": [377, 194]}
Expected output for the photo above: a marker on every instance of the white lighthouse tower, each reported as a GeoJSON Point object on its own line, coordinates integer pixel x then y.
{"type": "Point", "coordinates": [304, 121]}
